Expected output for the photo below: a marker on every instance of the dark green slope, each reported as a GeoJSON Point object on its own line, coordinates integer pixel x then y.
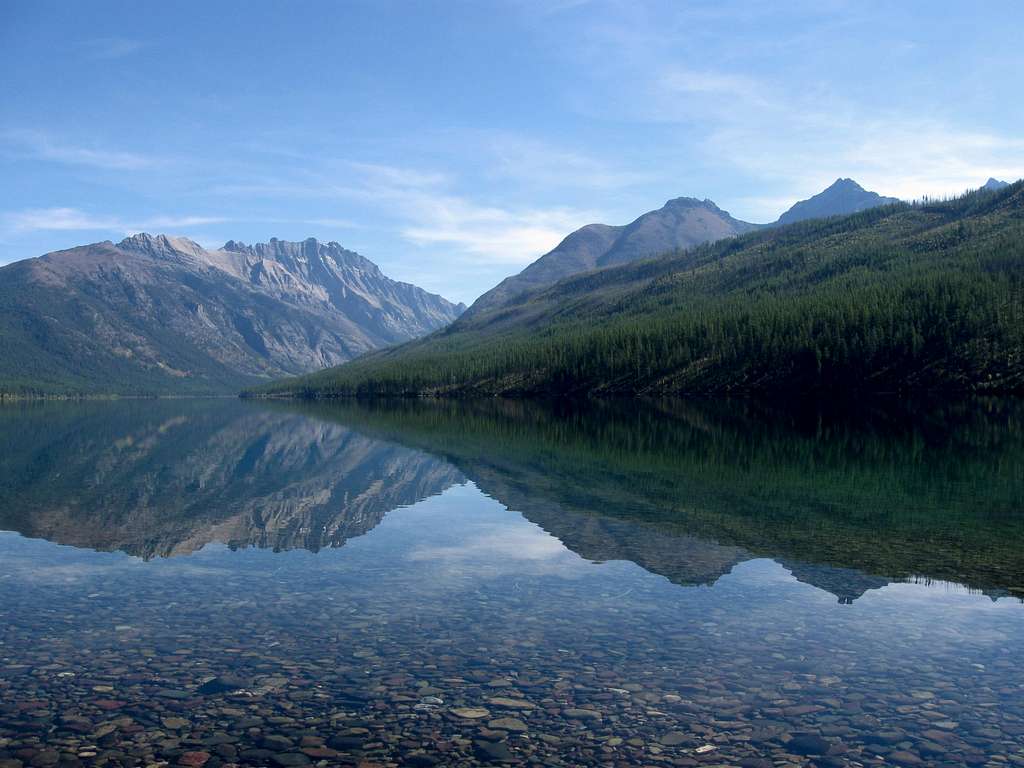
{"type": "Point", "coordinates": [899, 298]}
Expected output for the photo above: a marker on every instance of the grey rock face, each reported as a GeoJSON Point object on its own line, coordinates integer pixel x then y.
{"type": "Point", "coordinates": [168, 315]}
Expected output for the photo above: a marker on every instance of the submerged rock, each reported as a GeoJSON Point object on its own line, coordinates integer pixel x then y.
{"type": "Point", "coordinates": [223, 684]}
{"type": "Point", "coordinates": [808, 744]}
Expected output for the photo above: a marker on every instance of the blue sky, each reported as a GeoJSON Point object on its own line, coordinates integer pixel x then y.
{"type": "Point", "coordinates": [454, 142]}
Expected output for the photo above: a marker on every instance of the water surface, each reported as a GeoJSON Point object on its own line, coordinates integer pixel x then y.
{"type": "Point", "coordinates": [220, 583]}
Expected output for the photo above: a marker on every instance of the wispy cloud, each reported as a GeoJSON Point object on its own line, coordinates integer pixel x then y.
{"type": "Point", "coordinates": [43, 147]}
{"type": "Point", "coordinates": [427, 211]}
{"type": "Point", "coordinates": [546, 8]}
{"type": "Point", "coordinates": [74, 219]}
{"type": "Point", "coordinates": [331, 223]}
{"type": "Point", "coordinates": [803, 140]}
{"type": "Point", "coordinates": [540, 164]}
{"type": "Point", "coordinates": [66, 219]}
{"type": "Point", "coordinates": [53, 219]}
{"type": "Point", "coordinates": [726, 84]}
{"type": "Point", "coordinates": [891, 153]}
{"type": "Point", "coordinates": [433, 215]}
{"type": "Point", "coordinates": [494, 234]}
{"type": "Point", "coordinates": [111, 47]}
{"type": "Point", "coordinates": [758, 108]}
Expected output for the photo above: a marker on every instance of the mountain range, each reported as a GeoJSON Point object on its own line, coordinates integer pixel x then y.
{"type": "Point", "coordinates": [155, 315]}
{"type": "Point", "coordinates": [898, 298]}
{"type": "Point", "coordinates": [160, 315]}
{"type": "Point", "coordinates": [680, 224]}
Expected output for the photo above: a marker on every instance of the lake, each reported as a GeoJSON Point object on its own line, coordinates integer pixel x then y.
{"type": "Point", "coordinates": [212, 583]}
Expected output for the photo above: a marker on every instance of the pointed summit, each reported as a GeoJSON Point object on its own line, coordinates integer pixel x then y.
{"type": "Point", "coordinates": [995, 184]}
{"type": "Point", "coordinates": [844, 196]}
{"type": "Point", "coordinates": [680, 223]}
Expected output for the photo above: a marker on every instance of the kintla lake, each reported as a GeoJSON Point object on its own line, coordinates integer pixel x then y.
{"type": "Point", "coordinates": [216, 583]}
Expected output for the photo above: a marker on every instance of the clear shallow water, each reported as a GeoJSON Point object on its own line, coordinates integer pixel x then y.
{"type": "Point", "coordinates": [668, 584]}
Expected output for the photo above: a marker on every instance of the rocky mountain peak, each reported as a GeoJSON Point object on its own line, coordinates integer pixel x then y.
{"type": "Point", "coordinates": [845, 184]}
{"type": "Point", "coordinates": [688, 203]}
{"type": "Point", "coordinates": [146, 240]}
{"type": "Point", "coordinates": [995, 184]}
{"type": "Point", "coordinates": [162, 246]}
{"type": "Point", "coordinates": [302, 254]}
{"type": "Point", "coordinates": [680, 223]}
{"type": "Point", "coordinates": [843, 196]}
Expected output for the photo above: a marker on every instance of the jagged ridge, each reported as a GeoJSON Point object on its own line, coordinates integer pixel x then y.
{"type": "Point", "coordinates": [155, 314]}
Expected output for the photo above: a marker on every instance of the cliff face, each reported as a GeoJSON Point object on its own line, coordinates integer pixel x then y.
{"type": "Point", "coordinates": [328, 277]}
{"type": "Point", "coordinates": [158, 315]}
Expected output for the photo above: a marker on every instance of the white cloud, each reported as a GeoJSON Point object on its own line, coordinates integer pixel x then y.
{"type": "Point", "coordinates": [379, 176]}
{"type": "Point", "coordinates": [40, 146]}
{"type": "Point", "coordinates": [888, 153]}
{"type": "Point", "coordinates": [328, 222]}
{"type": "Point", "coordinates": [759, 108]}
{"type": "Point", "coordinates": [428, 213]}
{"type": "Point", "coordinates": [501, 542]}
{"type": "Point", "coordinates": [495, 234]}
{"type": "Point", "coordinates": [434, 216]}
{"type": "Point", "coordinates": [802, 141]}
{"type": "Point", "coordinates": [716, 83]}
{"type": "Point", "coordinates": [43, 219]}
{"type": "Point", "coordinates": [539, 164]}
{"type": "Point", "coordinates": [73, 219]}
{"type": "Point", "coordinates": [546, 8]}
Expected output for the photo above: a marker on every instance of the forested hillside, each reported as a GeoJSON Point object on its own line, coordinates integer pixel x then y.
{"type": "Point", "coordinates": [904, 297]}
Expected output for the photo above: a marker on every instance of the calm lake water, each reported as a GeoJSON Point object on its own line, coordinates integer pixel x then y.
{"type": "Point", "coordinates": [666, 584]}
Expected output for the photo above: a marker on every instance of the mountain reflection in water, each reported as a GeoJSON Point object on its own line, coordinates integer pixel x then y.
{"type": "Point", "coordinates": [846, 501]}
{"type": "Point", "coordinates": [165, 478]}
{"type": "Point", "coordinates": [600, 584]}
